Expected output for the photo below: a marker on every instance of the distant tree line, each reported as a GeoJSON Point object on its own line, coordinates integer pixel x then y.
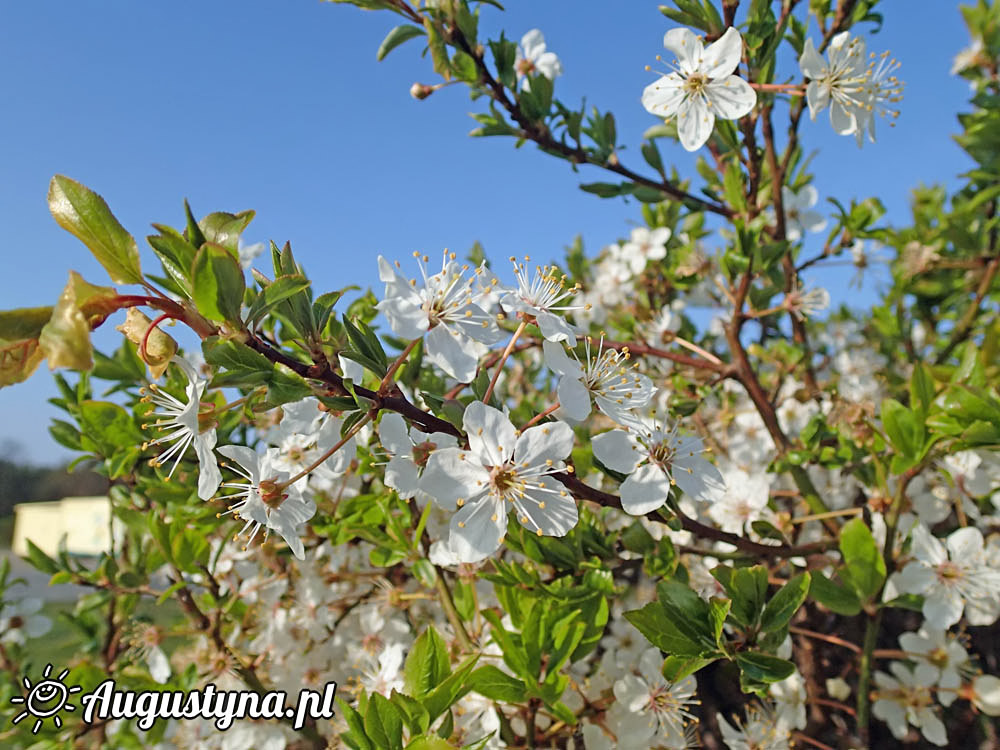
{"type": "Point", "coordinates": [24, 482]}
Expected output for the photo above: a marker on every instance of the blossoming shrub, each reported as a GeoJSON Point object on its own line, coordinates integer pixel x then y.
{"type": "Point", "coordinates": [564, 508]}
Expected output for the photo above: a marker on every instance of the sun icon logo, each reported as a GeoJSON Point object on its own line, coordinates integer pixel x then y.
{"type": "Point", "coordinates": [45, 699]}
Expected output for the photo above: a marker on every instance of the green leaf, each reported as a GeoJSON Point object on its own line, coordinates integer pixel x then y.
{"type": "Point", "coordinates": [864, 569]}
{"type": "Point", "coordinates": [658, 628]}
{"type": "Point", "coordinates": [396, 37]}
{"type": "Point", "coordinates": [834, 597]}
{"type": "Point", "coordinates": [747, 587]}
{"type": "Point", "coordinates": [277, 291]}
{"type": "Point", "coordinates": [383, 723]}
{"type": "Point", "coordinates": [108, 427]}
{"type": "Point", "coordinates": [430, 743]}
{"type": "Point", "coordinates": [224, 229]}
{"type": "Point", "coordinates": [765, 668]}
{"type": "Point", "coordinates": [218, 284]}
{"type": "Point", "coordinates": [414, 715]}
{"type": "Point", "coordinates": [40, 560]}
{"type": "Point", "coordinates": [676, 668]}
{"type": "Point", "coordinates": [356, 726]}
{"type": "Point", "coordinates": [23, 323]}
{"type": "Point", "coordinates": [921, 388]}
{"type": "Point", "coordinates": [427, 664]}
{"type": "Point", "coordinates": [904, 429]}
{"type": "Point", "coordinates": [497, 685]}
{"type": "Point", "coordinates": [465, 67]}
{"type": "Point", "coordinates": [445, 694]}
{"type": "Point", "coordinates": [236, 358]}
{"type": "Point", "coordinates": [690, 613]}
{"type": "Point", "coordinates": [785, 603]}
{"type": "Point", "coordinates": [85, 214]}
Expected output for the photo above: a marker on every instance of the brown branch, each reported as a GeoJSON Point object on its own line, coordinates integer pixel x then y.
{"type": "Point", "coordinates": [542, 136]}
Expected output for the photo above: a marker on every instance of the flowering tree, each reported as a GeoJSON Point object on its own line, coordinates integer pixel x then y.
{"type": "Point", "coordinates": [563, 510]}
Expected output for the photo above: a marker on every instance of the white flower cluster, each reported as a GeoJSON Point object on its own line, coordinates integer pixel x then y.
{"type": "Point", "coordinates": [855, 87]}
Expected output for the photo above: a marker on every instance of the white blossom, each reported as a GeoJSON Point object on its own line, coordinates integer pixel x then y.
{"type": "Point", "coordinates": [445, 310]}
{"type": "Point", "coordinates": [655, 457]}
{"type": "Point", "coordinates": [181, 425]}
{"type": "Point", "coordinates": [261, 503]}
{"type": "Point", "coordinates": [952, 577]}
{"type": "Point", "coordinates": [534, 58]}
{"type": "Point", "coordinates": [799, 216]}
{"type": "Point", "coordinates": [645, 245]}
{"type": "Point", "coordinates": [501, 470]}
{"type": "Point", "coordinates": [837, 84]}
{"type": "Point", "coordinates": [408, 452]}
{"type": "Point", "coordinates": [904, 698]}
{"type": "Point", "coordinates": [606, 376]}
{"type": "Point", "coordinates": [664, 706]}
{"type": "Point", "coordinates": [542, 297]}
{"type": "Point", "coordinates": [943, 653]}
{"type": "Point", "coordinates": [702, 85]}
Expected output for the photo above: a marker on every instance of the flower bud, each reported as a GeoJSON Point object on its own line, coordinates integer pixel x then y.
{"type": "Point", "coordinates": [421, 90]}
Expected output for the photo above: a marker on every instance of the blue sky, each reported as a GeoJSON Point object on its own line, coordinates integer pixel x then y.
{"type": "Point", "coordinates": [281, 107]}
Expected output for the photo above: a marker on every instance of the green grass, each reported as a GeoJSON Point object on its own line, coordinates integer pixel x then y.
{"type": "Point", "coordinates": [6, 531]}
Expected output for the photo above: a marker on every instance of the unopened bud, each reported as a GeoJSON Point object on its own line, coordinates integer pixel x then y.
{"type": "Point", "coordinates": [421, 90]}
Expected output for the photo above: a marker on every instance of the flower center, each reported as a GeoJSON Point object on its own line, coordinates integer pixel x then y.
{"type": "Point", "coordinates": [949, 572]}
{"type": "Point", "coordinates": [695, 83]}
{"type": "Point", "coordinates": [271, 495]}
{"type": "Point", "coordinates": [525, 66]}
{"type": "Point", "coordinates": [503, 479]}
{"type": "Point", "coordinates": [422, 452]}
{"type": "Point", "coordinates": [662, 454]}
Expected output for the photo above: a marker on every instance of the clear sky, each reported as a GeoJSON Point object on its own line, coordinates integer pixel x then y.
{"type": "Point", "coordinates": [282, 107]}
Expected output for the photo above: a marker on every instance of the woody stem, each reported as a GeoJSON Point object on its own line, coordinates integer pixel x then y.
{"type": "Point", "coordinates": [319, 461]}
{"type": "Point", "coordinates": [503, 358]}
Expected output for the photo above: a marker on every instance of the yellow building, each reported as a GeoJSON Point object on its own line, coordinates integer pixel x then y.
{"type": "Point", "coordinates": [82, 521]}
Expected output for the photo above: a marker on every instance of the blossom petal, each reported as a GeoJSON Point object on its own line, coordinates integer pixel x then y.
{"type": "Point", "coordinates": [617, 450]}
{"type": "Point", "coordinates": [663, 96]}
{"type": "Point", "coordinates": [574, 398]}
{"type": "Point", "coordinates": [477, 529]}
{"type": "Point", "coordinates": [927, 548]}
{"type": "Point", "coordinates": [491, 435]}
{"type": "Point", "coordinates": [694, 123]}
{"type": "Point", "coordinates": [723, 55]}
{"type": "Point", "coordinates": [547, 508]}
{"type": "Point", "coordinates": [555, 328]}
{"type": "Point", "coordinates": [699, 478]}
{"type": "Point", "coordinates": [943, 608]}
{"type": "Point", "coordinates": [559, 362]}
{"type": "Point", "coordinates": [452, 474]}
{"type": "Point", "coordinates": [248, 458]}
{"type": "Point", "coordinates": [811, 62]}
{"type": "Point", "coordinates": [645, 490]}
{"type": "Point", "coordinates": [731, 98]}
{"type": "Point", "coordinates": [401, 474]}
{"type": "Point", "coordinates": [552, 441]}
{"type": "Point", "coordinates": [448, 351]}
{"type": "Point", "coordinates": [687, 46]}
{"type": "Point", "coordinates": [965, 546]}
{"type": "Point", "coordinates": [393, 435]}
{"type": "Point", "coordinates": [915, 578]}
{"type": "Point", "coordinates": [209, 476]}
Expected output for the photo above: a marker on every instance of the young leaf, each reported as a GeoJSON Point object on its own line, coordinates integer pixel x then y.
{"type": "Point", "coordinates": [218, 284]}
{"type": "Point", "coordinates": [396, 37]}
{"type": "Point", "coordinates": [864, 569]}
{"type": "Point", "coordinates": [785, 603]}
{"type": "Point", "coordinates": [82, 212]}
